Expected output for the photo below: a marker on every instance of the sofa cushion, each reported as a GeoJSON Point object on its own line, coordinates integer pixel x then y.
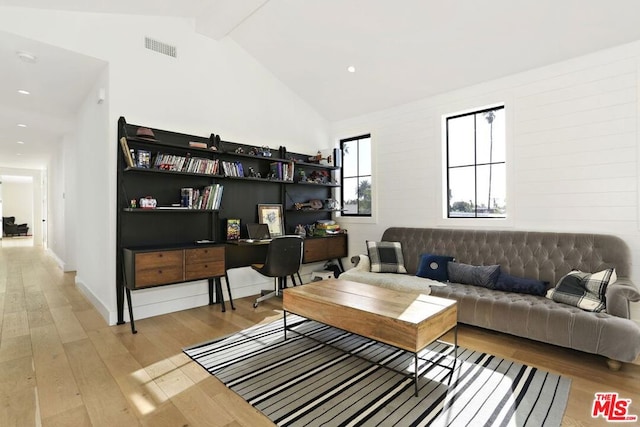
{"type": "Point", "coordinates": [583, 290]}
{"type": "Point", "coordinates": [477, 275]}
{"type": "Point", "coordinates": [386, 257]}
{"type": "Point", "coordinates": [434, 267]}
{"type": "Point", "coordinates": [509, 283]}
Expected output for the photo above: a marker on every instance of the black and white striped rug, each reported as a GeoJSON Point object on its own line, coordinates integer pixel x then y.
{"type": "Point", "coordinates": [300, 382]}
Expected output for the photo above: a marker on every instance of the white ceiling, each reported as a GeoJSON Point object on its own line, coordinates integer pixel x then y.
{"type": "Point", "coordinates": [58, 81]}
{"type": "Point", "coordinates": [402, 50]}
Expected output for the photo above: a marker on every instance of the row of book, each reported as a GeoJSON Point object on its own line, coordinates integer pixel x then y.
{"type": "Point", "coordinates": [282, 171]}
{"type": "Point", "coordinates": [177, 163]}
{"type": "Point", "coordinates": [232, 169]}
{"type": "Point", "coordinates": [208, 197]}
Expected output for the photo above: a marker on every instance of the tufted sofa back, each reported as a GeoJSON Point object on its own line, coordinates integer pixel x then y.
{"type": "Point", "coordinates": [543, 255]}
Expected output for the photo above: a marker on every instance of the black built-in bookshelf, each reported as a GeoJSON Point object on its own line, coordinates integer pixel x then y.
{"type": "Point", "coordinates": [258, 178]}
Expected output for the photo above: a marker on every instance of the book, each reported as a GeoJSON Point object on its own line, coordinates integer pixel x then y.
{"type": "Point", "coordinates": [126, 152]}
{"type": "Point", "coordinates": [233, 229]}
{"type": "Point", "coordinates": [143, 158]}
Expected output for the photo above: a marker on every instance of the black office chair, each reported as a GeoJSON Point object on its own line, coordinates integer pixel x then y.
{"type": "Point", "coordinates": [284, 257]}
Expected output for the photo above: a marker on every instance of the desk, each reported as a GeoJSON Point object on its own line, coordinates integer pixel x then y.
{"type": "Point", "coordinates": [316, 249]}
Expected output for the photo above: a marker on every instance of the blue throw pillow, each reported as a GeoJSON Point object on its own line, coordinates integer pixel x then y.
{"type": "Point", "coordinates": [509, 283]}
{"type": "Point", "coordinates": [434, 267]}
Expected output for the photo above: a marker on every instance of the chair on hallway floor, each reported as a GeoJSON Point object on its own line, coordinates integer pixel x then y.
{"type": "Point", "coordinates": [284, 257]}
{"type": "Point", "coordinates": [10, 228]}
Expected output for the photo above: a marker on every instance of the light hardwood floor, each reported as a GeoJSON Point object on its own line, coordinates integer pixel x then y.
{"type": "Point", "coordinates": [62, 365]}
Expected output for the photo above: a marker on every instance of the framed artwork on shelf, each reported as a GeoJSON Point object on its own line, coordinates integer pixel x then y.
{"type": "Point", "coordinates": [271, 214]}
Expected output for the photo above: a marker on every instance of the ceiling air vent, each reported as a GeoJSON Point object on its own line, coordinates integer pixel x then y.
{"type": "Point", "coordinates": [163, 48]}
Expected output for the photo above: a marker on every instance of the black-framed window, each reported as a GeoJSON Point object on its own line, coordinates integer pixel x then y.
{"type": "Point", "coordinates": [476, 164]}
{"type": "Point", "coordinates": [356, 176]}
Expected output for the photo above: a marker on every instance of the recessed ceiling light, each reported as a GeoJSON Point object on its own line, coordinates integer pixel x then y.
{"type": "Point", "coordinates": [24, 92]}
{"type": "Point", "coordinates": [22, 125]}
{"type": "Point", "coordinates": [351, 69]}
{"type": "Point", "coordinates": [26, 57]}
{"type": "Point", "coordinates": [18, 154]}
{"type": "Point", "coordinates": [19, 142]}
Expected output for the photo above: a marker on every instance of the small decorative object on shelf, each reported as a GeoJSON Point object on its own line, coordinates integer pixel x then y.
{"type": "Point", "coordinates": [300, 230]}
{"type": "Point", "coordinates": [148, 202]}
{"type": "Point", "coordinates": [320, 159]}
{"type": "Point", "coordinates": [146, 133]}
{"type": "Point", "coordinates": [186, 197]}
{"type": "Point", "coordinates": [314, 204]}
{"type": "Point", "coordinates": [196, 144]}
{"type": "Point", "coordinates": [265, 151]}
{"type": "Point", "coordinates": [331, 204]}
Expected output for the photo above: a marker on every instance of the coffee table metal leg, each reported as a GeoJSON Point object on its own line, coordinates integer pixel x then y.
{"type": "Point", "coordinates": [285, 325]}
{"type": "Point", "coordinates": [415, 373]}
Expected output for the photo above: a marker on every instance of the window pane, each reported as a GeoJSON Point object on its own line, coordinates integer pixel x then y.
{"type": "Point", "coordinates": [491, 190]}
{"type": "Point", "coordinates": [490, 136]}
{"type": "Point", "coordinates": [462, 192]}
{"type": "Point", "coordinates": [364, 156]}
{"type": "Point", "coordinates": [364, 195]}
{"type": "Point", "coordinates": [356, 176]}
{"type": "Point", "coordinates": [350, 158]}
{"type": "Point", "coordinates": [460, 140]}
{"type": "Point", "coordinates": [350, 195]}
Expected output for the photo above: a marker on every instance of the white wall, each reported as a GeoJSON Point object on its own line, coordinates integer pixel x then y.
{"type": "Point", "coordinates": [212, 87]}
{"type": "Point", "coordinates": [573, 133]}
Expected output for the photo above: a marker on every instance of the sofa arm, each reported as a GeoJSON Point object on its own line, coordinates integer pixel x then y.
{"type": "Point", "coordinates": [619, 294]}
{"type": "Point", "coordinates": [361, 262]}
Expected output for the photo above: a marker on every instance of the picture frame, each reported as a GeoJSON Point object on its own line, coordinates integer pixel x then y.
{"type": "Point", "coordinates": [271, 214]}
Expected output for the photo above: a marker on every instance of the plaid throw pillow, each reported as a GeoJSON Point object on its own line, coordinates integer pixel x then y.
{"type": "Point", "coordinates": [386, 257]}
{"type": "Point", "coordinates": [584, 290]}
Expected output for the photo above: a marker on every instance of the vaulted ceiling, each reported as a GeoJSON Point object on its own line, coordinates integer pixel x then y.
{"type": "Point", "coordinates": [401, 50]}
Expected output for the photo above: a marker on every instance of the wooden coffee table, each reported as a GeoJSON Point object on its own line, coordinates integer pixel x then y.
{"type": "Point", "coordinates": [403, 319]}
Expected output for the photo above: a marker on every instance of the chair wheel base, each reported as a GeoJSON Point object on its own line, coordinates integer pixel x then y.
{"type": "Point", "coordinates": [255, 305]}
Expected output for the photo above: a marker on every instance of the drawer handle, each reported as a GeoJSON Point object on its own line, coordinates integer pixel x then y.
{"type": "Point", "coordinates": [160, 255]}
{"type": "Point", "coordinates": [159, 271]}
{"type": "Point", "coordinates": [206, 266]}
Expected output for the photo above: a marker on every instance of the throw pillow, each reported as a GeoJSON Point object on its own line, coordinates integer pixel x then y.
{"type": "Point", "coordinates": [477, 275]}
{"type": "Point", "coordinates": [584, 290]}
{"type": "Point", "coordinates": [434, 267]}
{"type": "Point", "coordinates": [509, 283]}
{"type": "Point", "coordinates": [386, 257]}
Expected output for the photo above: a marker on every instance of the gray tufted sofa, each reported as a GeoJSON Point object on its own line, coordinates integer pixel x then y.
{"type": "Point", "coordinates": [540, 255]}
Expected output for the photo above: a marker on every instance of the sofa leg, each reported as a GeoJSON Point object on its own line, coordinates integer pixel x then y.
{"type": "Point", "coordinates": [614, 365]}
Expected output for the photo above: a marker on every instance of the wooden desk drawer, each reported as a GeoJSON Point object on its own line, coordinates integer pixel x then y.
{"type": "Point", "coordinates": [158, 268]}
{"type": "Point", "coordinates": [336, 247]}
{"type": "Point", "coordinates": [314, 250]}
{"type": "Point", "coordinates": [203, 263]}
{"type": "Point", "coordinates": [202, 270]}
{"type": "Point", "coordinates": [320, 249]}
